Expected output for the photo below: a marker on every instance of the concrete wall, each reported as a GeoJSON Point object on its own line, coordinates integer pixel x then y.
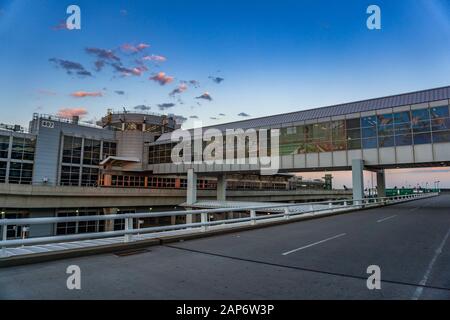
{"type": "Point", "coordinates": [20, 196]}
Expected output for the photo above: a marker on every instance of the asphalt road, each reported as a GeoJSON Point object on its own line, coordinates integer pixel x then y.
{"type": "Point", "coordinates": [325, 258]}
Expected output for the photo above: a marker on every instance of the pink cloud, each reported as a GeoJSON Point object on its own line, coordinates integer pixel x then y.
{"type": "Point", "coordinates": [132, 48]}
{"type": "Point", "coordinates": [62, 25]}
{"type": "Point", "coordinates": [153, 57]}
{"type": "Point", "coordinates": [161, 78]}
{"type": "Point", "coordinates": [84, 94]}
{"type": "Point", "coordinates": [180, 89]}
{"type": "Point", "coordinates": [71, 112]}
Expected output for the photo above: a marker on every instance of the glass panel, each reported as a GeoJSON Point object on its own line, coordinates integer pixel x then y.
{"type": "Point", "coordinates": [439, 112]}
{"type": "Point", "coordinates": [442, 136]}
{"type": "Point", "coordinates": [353, 123]}
{"type": "Point", "coordinates": [369, 132]}
{"type": "Point", "coordinates": [370, 121]}
{"type": "Point", "coordinates": [422, 138]}
{"type": "Point", "coordinates": [369, 143]}
{"type": "Point", "coordinates": [4, 146]}
{"type": "Point", "coordinates": [384, 142]}
{"type": "Point", "coordinates": [385, 119]}
{"type": "Point", "coordinates": [420, 115]}
{"type": "Point", "coordinates": [402, 117]}
{"type": "Point", "coordinates": [403, 140]}
{"type": "Point", "coordinates": [440, 124]}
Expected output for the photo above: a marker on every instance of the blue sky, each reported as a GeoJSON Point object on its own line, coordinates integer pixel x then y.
{"type": "Point", "coordinates": [273, 56]}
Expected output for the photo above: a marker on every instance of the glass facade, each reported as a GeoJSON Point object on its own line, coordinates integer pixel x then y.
{"type": "Point", "coordinates": [91, 154]}
{"type": "Point", "coordinates": [20, 173]}
{"type": "Point", "coordinates": [415, 127]}
{"type": "Point", "coordinates": [81, 160]}
{"type": "Point", "coordinates": [4, 146]}
{"type": "Point", "coordinates": [23, 149]}
{"type": "Point", "coordinates": [109, 149]}
{"type": "Point", "coordinates": [70, 176]}
{"type": "Point", "coordinates": [3, 165]}
{"type": "Point", "coordinates": [64, 228]}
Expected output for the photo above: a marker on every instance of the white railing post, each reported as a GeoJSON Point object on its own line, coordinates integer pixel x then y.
{"type": "Point", "coordinates": [253, 217]}
{"type": "Point", "coordinates": [4, 237]}
{"type": "Point", "coordinates": [128, 226]}
{"type": "Point", "coordinates": [345, 203]}
{"type": "Point", "coordinates": [204, 219]}
{"type": "Point", "coordinates": [286, 213]}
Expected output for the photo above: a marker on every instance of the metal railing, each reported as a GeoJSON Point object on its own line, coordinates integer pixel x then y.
{"type": "Point", "coordinates": [272, 212]}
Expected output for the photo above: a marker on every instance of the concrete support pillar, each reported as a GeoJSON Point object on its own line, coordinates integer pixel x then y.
{"type": "Point", "coordinates": [191, 196]}
{"type": "Point", "coordinates": [221, 188]}
{"type": "Point", "coordinates": [109, 224]}
{"type": "Point", "coordinates": [381, 184]}
{"type": "Point", "coordinates": [358, 180]}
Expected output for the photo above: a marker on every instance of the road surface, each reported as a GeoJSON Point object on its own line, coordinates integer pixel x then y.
{"type": "Point", "coordinates": [325, 258]}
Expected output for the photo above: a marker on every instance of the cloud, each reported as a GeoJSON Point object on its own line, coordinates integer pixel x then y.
{"type": "Point", "coordinates": [84, 94]}
{"type": "Point", "coordinates": [161, 78]}
{"type": "Point", "coordinates": [205, 96]}
{"type": "Point", "coordinates": [194, 83]}
{"type": "Point", "coordinates": [142, 107]}
{"type": "Point", "coordinates": [180, 89]}
{"type": "Point", "coordinates": [99, 64]}
{"type": "Point", "coordinates": [136, 71]}
{"type": "Point", "coordinates": [134, 48]}
{"type": "Point", "coordinates": [217, 79]}
{"type": "Point", "coordinates": [222, 114]}
{"type": "Point", "coordinates": [193, 117]}
{"type": "Point", "coordinates": [71, 67]}
{"type": "Point", "coordinates": [164, 106]}
{"type": "Point", "coordinates": [120, 92]}
{"type": "Point", "coordinates": [214, 118]}
{"type": "Point", "coordinates": [243, 114]}
{"type": "Point", "coordinates": [153, 57]}
{"type": "Point", "coordinates": [103, 54]}
{"type": "Point", "coordinates": [62, 25]}
{"type": "Point", "coordinates": [71, 112]}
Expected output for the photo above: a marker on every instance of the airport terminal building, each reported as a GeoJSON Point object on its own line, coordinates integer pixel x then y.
{"type": "Point", "coordinates": [132, 151]}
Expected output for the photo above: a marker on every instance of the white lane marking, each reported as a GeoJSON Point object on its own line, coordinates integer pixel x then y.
{"type": "Point", "coordinates": [387, 218]}
{"type": "Point", "coordinates": [313, 244]}
{"type": "Point", "coordinates": [419, 290]}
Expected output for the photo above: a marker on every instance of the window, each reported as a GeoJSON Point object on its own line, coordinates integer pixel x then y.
{"type": "Point", "coordinates": [89, 177]}
{"type": "Point", "coordinates": [72, 150]}
{"type": "Point", "coordinates": [70, 176]}
{"type": "Point", "coordinates": [422, 138]}
{"type": "Point", "coordinates": [20, 173]}
{"type": "Point", "coordinates": [292, 140]}
{"type": "Point", "coordinates": [14, 231]}
{"type": "Point", "coordinates": [91, 155]}
{"type": "Point", "coordinates": [160, 153]}
{"type": "Point", "coordinates": [4, 146]}
{"type": "Point", "coordinates": [3, 171]}
{"type": "Point", "coordinates": [369, 132]}
{"type": "Point", "coordinates": [65, 228]}
{"type": "Point", "coordinates": [440, 124]}
{"type": "Point", "coordinates": [109, 149]}
{"type": "Point", "coordinates": [23, 149]}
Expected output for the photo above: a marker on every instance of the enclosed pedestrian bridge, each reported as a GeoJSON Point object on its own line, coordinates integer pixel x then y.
{"type": "Point", "coordinates": [405, 130]}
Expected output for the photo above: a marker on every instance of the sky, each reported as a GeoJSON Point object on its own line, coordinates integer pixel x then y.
{"type": "Point", "coordinates": [215, 61]}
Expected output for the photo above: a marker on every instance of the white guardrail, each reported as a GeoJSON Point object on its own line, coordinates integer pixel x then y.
{"type": "Point", "coordinates": [286, 212]}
